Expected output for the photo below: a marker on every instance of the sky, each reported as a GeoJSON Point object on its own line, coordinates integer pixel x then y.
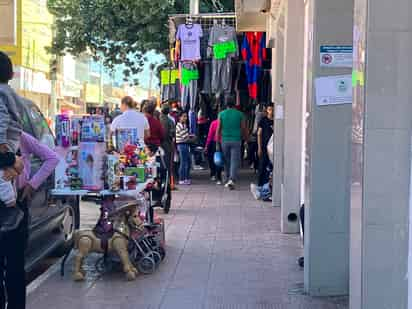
{"type": "Point", "coordinates": [143, 76]}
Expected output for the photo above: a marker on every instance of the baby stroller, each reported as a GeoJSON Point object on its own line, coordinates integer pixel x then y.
{"type": "Point", "coordinates": [161, 191]}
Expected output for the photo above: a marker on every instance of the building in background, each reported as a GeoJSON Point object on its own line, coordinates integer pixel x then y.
{"type": "Point", "coordinates": [25, 33]}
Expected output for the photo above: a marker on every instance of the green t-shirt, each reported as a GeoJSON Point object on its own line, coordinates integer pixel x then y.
{"type": "Point", "coordinates": [231, 120]}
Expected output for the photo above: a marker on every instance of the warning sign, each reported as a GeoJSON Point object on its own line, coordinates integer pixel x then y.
{"type": "Point", "coordinates": [336, 56]}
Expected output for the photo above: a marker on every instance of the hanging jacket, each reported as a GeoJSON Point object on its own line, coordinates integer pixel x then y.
{"type": "Point", "coordinates": [254, 53]}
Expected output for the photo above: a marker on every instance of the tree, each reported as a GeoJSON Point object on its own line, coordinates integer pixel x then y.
{"type": "Point", "coordinates": [117, 31]}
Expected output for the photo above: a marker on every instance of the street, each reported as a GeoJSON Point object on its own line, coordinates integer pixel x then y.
{"type": "Point", "coordinates": [224, 250]}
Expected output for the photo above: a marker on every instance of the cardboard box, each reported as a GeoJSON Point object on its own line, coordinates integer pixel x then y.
{"type": "Point", "coordinates": [93, 129]}
{"type": "Point", "coordinates": [91, 163]}
{"type": "Point", "coordinates": [67, 165]}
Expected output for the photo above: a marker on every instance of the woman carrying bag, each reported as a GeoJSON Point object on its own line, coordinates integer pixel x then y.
{"type": "Point", "coordinates": [213, 146]}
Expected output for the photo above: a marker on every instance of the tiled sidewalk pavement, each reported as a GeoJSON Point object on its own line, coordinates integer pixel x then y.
{"type": "Point", "coordinates": [225, 251]}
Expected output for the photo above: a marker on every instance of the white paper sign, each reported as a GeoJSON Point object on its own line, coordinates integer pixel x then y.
{"type": "Point", "coordinates": [279, 114]}
{"type": "Point", "coordinates": [332, 90]}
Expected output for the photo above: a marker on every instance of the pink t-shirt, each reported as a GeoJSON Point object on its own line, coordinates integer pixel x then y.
{"type": "Point", "coordinates": [189, 36]}
{"type": "Point", "coordinates": [211, 137]}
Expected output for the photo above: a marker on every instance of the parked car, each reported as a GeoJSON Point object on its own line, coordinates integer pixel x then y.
{"type": "Point", "coordinates": [52, 220]}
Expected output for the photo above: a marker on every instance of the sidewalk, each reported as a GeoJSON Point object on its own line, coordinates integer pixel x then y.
{"type": "Point", "coordinates": [225, 251]}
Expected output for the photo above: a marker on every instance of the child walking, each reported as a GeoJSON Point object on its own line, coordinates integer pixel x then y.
{"type": "Point", "coordinates": [183, 147]}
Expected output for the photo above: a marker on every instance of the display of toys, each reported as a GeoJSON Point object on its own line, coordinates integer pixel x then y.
{"type": "Point", "coordinates": [67, 167]}
{"type": "Point", "coordinates": [63, 130]}
{"type": "Point", "coordinates": [125, 137]}
{"type": "Point", "coordinates": [76, 129]}
{"type": "Point", "coordinates": [91, 162]}
{"type": "Point", "coordinates": [137, 171]}
{"type": "Point", "coordinates": [93, 129]}
{"type": "Point", "coordinates": [112, 172]}
{"type": "Point", "coordinates": [76, 183]}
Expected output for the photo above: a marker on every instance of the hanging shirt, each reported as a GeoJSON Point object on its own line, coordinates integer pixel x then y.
{"type": "Point", "coordinates": [223, 42]}
{"type": "Point", "coordinates": [189, 37]}
{"type": "Point", "coordinates": [254, 53]}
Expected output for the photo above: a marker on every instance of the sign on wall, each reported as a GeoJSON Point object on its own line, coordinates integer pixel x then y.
{"type": "Point", "coordinates": [333, 90]}
{"type": "Point", "coordinates": [336, 56]}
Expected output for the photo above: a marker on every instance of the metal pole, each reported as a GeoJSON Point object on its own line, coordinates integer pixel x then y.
{"type": "Point", "coordinates": [194, 7]}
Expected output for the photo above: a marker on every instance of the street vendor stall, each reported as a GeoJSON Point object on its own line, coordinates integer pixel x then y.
{"type": "Point", "coordinates": [127, 178]}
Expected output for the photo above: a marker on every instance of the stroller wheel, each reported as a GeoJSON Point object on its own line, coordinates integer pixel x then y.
{"type": "Point", "coordinates": [162, 252]}
{"type": "Point", "coordinates": [146, 265]}
{"type": "Point", "coordinates": [156, 257]}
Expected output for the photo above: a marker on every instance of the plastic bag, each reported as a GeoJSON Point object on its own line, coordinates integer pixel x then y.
{"type": "Point", "coordinates": [270, 150]}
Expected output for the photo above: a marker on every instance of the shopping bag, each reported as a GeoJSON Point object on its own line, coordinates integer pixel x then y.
{"type": "Point", "coordinates": [218, 159]}
{"type": "Point", "coordinates": [270, 150]}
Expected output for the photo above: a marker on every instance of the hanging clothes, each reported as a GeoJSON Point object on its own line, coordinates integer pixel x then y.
{"type": "Point", "coordinates": [189, 37]}
{"type": "Point", "coordinates": [189, 78]}
{"type": "Point", "coordinates": [254, 53]}
{"type": "Point", "coordinates": [223, 47]}
{"type": "Point", "coordinates": [265, 89]}
{"type": "Point", "coordinates": [170, 89]}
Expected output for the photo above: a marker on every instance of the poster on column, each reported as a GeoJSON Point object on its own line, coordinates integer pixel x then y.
{"type": "Point", "coordinates": [333, 90]}
{"type": "Point", "coordinates": [336, 56]}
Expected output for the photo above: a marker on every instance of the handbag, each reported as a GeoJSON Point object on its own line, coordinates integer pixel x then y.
{"type": "Point", "coordinates": [10, 219]}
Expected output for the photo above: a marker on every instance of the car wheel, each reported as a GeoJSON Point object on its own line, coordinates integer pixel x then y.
{"type": "Point", "coordinates": [70, 222]}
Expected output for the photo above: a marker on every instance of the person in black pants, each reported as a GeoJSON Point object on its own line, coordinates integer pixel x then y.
{"type": "Point", "coordinates": [265, 132]}
{"type": "Point", "coordinates": [210, 149]}
{"type": "Point", "coordinates": [13, 246]}
{"type": "Point", "coordinates": [12, 263]}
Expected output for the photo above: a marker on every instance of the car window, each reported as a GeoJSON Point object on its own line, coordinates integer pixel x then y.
{"type": "Point", "coordinates": [40, 127]}
{"type": "Point", "coordinates": [26, 122]}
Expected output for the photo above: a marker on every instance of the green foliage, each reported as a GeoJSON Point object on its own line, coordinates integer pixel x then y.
{"type": "Point", "coordinates": [116, 31]}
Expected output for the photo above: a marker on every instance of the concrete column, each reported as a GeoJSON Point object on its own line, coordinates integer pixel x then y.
{"type": "Point", "coordinates": [327, 200]}
{"type": "Point", "coordinates": [293, 71]}
{"type": "Point", "coordinates": [381, 170]}
{"type": "Point", "coordinates": [278, 98]}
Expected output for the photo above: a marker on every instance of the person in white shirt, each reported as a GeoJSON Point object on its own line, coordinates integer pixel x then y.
{"type": "Point", "coordinates": [131, 119]}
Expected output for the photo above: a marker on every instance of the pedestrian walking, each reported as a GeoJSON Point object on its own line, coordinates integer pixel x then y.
{"type": "Point", "coordinates": [14, 243]}
{"type": "Point", "coordinates": [157, 134]}
{"type": "Point", "coordinates": [232, 129]}
{"type": "Point", "coordinates": [131, 119]}
{"type": "Point", "coordinates": [210, 149]}
{"type": "Point", "coordinates": [169, 129]}
{"type": "Point", "coordinates": [265, 131]}
{"type": "Point", "coordinates": [183, 146]}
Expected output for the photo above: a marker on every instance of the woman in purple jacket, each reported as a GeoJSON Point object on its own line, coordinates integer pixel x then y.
{"type": "Point", "coordinates": [12, 260]}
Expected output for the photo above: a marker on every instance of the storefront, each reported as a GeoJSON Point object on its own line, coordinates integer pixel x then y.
{"type": "Point", "coordinates": [210, 59]}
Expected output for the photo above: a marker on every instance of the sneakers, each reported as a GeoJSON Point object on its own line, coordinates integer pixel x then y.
{"type": "Point", "coordinates": [230, 185]}
{"type": "Point", "coordinates": [198, 168]}
{"type": "Point", "coordinates": [218, 182]}
{"type": "Point", "coordinates": [213, 178]}
{"type": "Point", "coordinates": [186, 182]}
